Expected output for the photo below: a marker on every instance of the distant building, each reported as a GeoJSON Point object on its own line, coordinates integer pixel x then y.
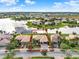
{"type": "Point", "coordinates": [49, 23]}
{"type": "Point", "coordinates": [71, 36]}
{"type": "Point", "coordinates": [37, 22]}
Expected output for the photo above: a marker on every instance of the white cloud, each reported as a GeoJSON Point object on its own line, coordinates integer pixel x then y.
{"type": "Point", "coordinates": [29, 2]}
{"type": "Point", "coordinates": [15, 9]}
{"type": "Point", "coordinates": [8, 2]}
{"type": "Point", "coordinates": [70, 6]}
{"type": "Point", "coordinates": [12, 9]}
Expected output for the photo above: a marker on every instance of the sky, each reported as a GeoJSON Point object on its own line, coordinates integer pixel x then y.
{"type": "Point", "coordinates": [39, 5]}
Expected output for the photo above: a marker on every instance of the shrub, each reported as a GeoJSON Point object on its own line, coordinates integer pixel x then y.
{"type": "Point", "coordinates": [44, 53]}
{"type": "Point", "coordinates": [64, 46]}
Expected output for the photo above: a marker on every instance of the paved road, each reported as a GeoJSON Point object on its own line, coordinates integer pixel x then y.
{"type": "Point", "coordinates": [56, 54]}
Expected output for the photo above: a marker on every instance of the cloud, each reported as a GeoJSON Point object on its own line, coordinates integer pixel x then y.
{"type": "Point", "coordinates": [15, 9]}
{"type": "Point", "coordinates": [31, 2]}
{"type": "Point", "coordinates": [70, 6]}
{"type": "Point", "coordinates": [12, 9]}
{"type": "Point", "coordinates": [8, 2]}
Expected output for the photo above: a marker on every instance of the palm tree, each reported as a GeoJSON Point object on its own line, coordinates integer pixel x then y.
{"type": "Point", "coordinates": [11, 46]}
{"type": "Point", "coordinates": [30, 45]}
{"type": "Point", "coordinates": [14, 43]}
{"type": "Point", "coordinates": [48, 36]}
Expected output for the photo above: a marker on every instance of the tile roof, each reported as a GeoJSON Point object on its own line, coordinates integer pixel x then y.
{"type": "Point", "coordinates": [23, 38]}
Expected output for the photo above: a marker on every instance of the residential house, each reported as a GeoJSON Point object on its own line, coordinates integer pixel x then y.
{"type": "Point", "coordinates": [55, 39]}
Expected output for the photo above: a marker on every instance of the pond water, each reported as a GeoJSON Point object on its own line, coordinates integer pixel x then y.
{"type": "Point", "coordinates": [65, 30]}
{"type": "Point", "coordinates": [9, 25]}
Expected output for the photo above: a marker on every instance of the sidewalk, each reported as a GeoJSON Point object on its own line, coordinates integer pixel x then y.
{"type": "Point", "coordinates": [59, 57]}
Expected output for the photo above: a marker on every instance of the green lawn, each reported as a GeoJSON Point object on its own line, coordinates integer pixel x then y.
{"type": "Point", "coordinates": [45, 26]}
{"type": "Point", "coordinates": [42, 57]}
{"type": "Point", "coordinates": [71, 58]}
{"type": "Point", "coordinates": [18, 58]}
{"type": "Point", "coordinates": [61, 24]}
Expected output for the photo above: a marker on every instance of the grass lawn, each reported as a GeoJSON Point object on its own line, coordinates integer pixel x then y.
{"type": "Point", "coordinates": [44, 57]}
{"type": "Point", "coordinates": [18, 58]}
{"type": "Point", "coordinates": [61, 24]}
{"type": "Point", "coordinates": [71, 58]}
{"type": "Point", "coordinates": [45, 26]}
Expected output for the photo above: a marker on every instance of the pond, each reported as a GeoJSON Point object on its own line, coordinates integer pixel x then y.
{"type": "Point", "coordinates": [65, 30]}
{"type": "Point", "coordinates": [9, 25]}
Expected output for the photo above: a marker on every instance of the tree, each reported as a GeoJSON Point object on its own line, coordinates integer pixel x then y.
{"type": "Point", "coordinates": [9, 55]}
{"type": "Point", "coordinates": [11, 46]}
{"type": "Point", "coordinates": [14, 43]}
{"type": "Point", "coordinates": [34, 43]}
